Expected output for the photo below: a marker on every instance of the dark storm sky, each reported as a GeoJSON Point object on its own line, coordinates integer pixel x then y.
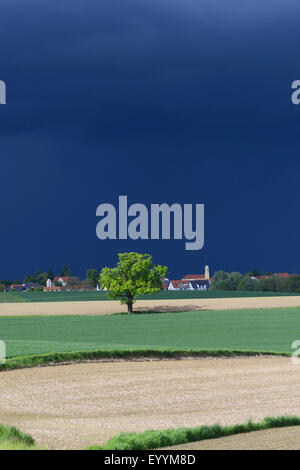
{"type": "Point", "coordinates": [162, 101]}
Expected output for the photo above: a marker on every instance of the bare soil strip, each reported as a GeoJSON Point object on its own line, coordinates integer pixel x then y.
{"type": "Point", "coordinates": [74, 406]}
{"type": "Point", "coordinates": [110, 306]}
{"type": "Point", "coordinates": [270, 439]}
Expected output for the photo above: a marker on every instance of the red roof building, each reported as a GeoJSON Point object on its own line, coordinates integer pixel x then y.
{"type": "Point", "coordinates": [199, 277]}
{"type": "Point", "coordinates": [52, 289]}
{"type": "Point", "coordinates": [178, 285]}
{"type": "Point", "coordinates": [194, 277]}
{"type": "Point", "coordinates": [268, 276]}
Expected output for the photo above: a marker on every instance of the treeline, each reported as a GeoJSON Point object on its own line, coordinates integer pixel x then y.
{"type": "Point", "coordinates": [39, 279]}
{"type": "Point", "coordinates": [223, 280]}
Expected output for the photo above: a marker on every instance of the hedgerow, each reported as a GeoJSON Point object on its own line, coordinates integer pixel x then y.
{"type": "Point", "coordinates": [170, 437]}
{"type": "Point", "coordinates": [126, 354]}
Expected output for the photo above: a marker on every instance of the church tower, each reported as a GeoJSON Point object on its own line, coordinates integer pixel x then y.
{"type": "Point", "coordinates": [207, 277]}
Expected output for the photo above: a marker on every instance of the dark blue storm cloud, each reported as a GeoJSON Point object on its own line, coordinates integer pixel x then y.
{"type": "Point", "coordinates": [163, 101]}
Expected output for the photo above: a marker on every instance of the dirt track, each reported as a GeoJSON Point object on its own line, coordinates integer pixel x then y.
{"type": "Point", "coordinates": [76, 405]}
{"type": "Point", "coordinates": [271, 439]}
{"type": "Point", "coordinates": [105, 307]}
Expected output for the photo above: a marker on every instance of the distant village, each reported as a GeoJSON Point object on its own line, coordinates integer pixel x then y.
{"type": "Point", "coordinates": [222, 280]}
{"type": "Point", "coordinates": [190, 282]}
{"type": "Point", "coordinates": [39, 282]}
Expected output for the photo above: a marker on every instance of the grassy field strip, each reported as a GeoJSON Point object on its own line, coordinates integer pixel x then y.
{"type": "Point", "coordinates": [259, 330]}
{"type": "Point", "coordinates": [67, 296]}
{"type": "Point", "coordinates": [149, 440]}
{"type": "Point", "coordinates": [266, 439]}
{"type": "Point", "coordinates": [13, 439]}
{"type": "Point", "coordinates": [126, 355]}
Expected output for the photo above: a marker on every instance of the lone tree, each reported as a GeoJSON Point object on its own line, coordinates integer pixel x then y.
{"type": "Point", "coordinates": [134, 275]}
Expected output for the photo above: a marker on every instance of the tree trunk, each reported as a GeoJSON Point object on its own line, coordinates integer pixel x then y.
{"type": "Point", "coordinates": [129, 307]}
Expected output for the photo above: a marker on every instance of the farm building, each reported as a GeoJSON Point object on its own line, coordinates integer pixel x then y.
{"type": "Point", "coordinates": [198, 277]}
{"type": "Point", "coordinates": [23, 287]}
{"type": "Point", "coordinates": [52, 288]}
{"type": "Point", "coordinates": [190, 282]}
{"type": "Point", "coordinates": [179, 285]}
{"type": "Point", "coordinates": [202, 284]}
{"type": "Point", "coordinates": [62, 280]}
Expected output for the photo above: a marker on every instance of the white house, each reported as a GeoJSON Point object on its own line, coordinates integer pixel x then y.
{"type": "Point", "coordinates": [178, 285]}
{"type": "Point", "coordinates": [192, 282]}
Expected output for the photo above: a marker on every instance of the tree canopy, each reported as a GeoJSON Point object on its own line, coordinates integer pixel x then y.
{"type": "Point", "coordinates": [66, 271]}
{"type": "Point", "coordinates": [50, 274]}
{"type": "Point", "coordinates": [37, 277]}
{"type": "Point", "coordinates": [134, 275]}
{"type": "Point", "coordinates": [92, 275]}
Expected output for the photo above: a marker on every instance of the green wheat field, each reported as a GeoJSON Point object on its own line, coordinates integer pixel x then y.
{"type": "Point", "coordinates": [249, 330]}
